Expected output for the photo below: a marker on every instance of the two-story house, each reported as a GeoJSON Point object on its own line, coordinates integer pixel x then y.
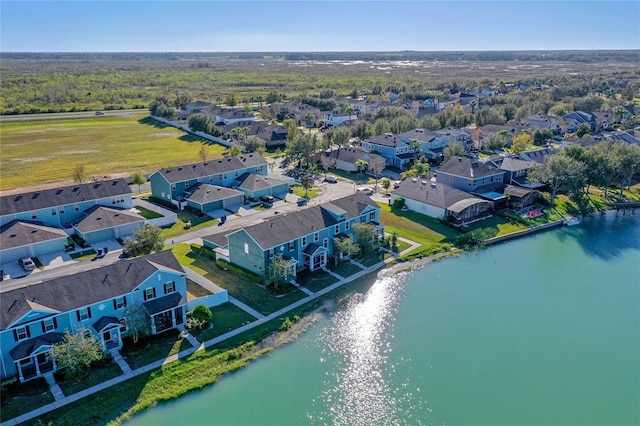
{"type": "Point", "coordinates": [335, 119]}
{"type": "Point", "coordinates": [454, 134]}
{"type": "Point", "coordinates": [170, 184]}
{"type": "Point", "coordinates": [431, 144]}
{"type": "Point", "coordinates": [272, 134]}
{"type": "Point", "coordinates": [468, 174]}
{"type": "Point", "coordinates": [345, 158]}
{"type": "Point", "coordinates": [576, 118]}
{"type": "Point", "coordinates": [304, 237]}
{"type": "Point", "coordinates": [221, 115]}
{"type": "Point", "coordinates": [35, 317]}
{"type": "Point", "coordinates": [392, 148]}
{"type": "Point", "coordinates": [543, 121]}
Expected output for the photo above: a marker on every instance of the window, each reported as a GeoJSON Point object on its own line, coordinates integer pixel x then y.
{"type": "Point", "coordinates": [336, 230]}
{"type": "Point", "coordinates": [53, 212]}
{"type": "Point", "coordinates": [61, 210]}
{"type": "Point", "coordinates": [83, 314]}
{"type": "Point", "coordinates": [347, 224]}
{"type": "Point", "coordinates": [316, 236]}
{"type": "Point", "coordinates": [21, 333]}
{"type": "Point", "coordinates": [246, 248]}
{"type": "Point", "coordinates": [173, 187]}
{"type": "Point", "coordinates": [363, 218]}
{"type": "Point", "coordinates": [292, 245]}
{"type": "Point", "coordinates": [470, 182]}
{"type": "Point", "coordinates": [270, 253]}
{"type": "Point", "coordinates": [119, 302]}
{"type": "Point", "coordinates": [76, 207]}
{"type": "Point", "coordinates": [169, 287]}
{"type": "Point", "coordinates": [149, 293]}
{"type": "Point", "coordinates": [123, 324]}
{"type": "Point", "coordinates": [33, 216]}
{"type": "Point", "coordinates": [304, 241]}
{"type": "Point", "coordinates": [325, 243]}
{"type": "Point", "coordinates": [372, 216]}
{"type": "Point", "coordinates": [49, 324]}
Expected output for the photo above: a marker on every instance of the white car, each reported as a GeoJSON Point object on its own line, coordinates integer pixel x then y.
{"type": "Point", "coordinates": [27, 264]}
{"type": "Point", "coordinates": [331, 179]}
{"type": "Point", "coordinates": [365, 190]}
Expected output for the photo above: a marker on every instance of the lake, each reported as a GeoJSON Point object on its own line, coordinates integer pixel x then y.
{"type": "Point", "coordinates": [537, 331]}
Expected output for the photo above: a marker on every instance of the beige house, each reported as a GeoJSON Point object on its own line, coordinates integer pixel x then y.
{"type": "Point", "coordinates": [345, 158]}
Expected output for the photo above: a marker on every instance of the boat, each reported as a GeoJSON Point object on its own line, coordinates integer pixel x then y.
{"type": "Point", "coordinates": [571, 221]}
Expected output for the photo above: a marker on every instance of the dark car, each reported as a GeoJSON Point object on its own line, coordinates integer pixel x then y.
{"type": "Point", "coordinates": [1, 274]}
{"type": "Point", "coordinates": [302, 201]}
{"type": "Point", "coordinates": [267, 199]}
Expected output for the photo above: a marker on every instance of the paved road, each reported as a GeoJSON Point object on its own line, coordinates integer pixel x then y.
{"type": "Point", "coordinates": [80, 114]}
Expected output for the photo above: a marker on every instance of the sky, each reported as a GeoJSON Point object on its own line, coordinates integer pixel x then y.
{"type": "Point", "coordinates": [309, 26]}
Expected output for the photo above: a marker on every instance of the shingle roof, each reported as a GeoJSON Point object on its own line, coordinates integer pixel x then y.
{"type": "Point", "coordinates": [388, 139]}
{"type": "Point", "coordinates": [103, 322]}
{"type": "Point", "coordinates": [28, 347]}
{"type": "Point", "coordinates": [468, 168]}
{"type": "Point", "coordinates": [515, 164]}
{"type": "Point", "coordinates": [18, 234]}
{"type": "Point", "coordinates": [351, 155]}
{"type": "Point", "coordinates": [84, 288]}
{"type": "Point", "coordinates": [423, 135]}
{"type": "Point", "coordinates": [433, 193]}
{"type": "Point", "coordinates": [164, 303]}
{"type": "Point", "coordinates": [47, 198]}
{"type": "Point", "coordinates": [211, 167]}
{"type": "Point", "coordinates": [203, 193]}
{"type": "Point", "coordinates": [255, 182]}
{"type": "Point", "coordinates": [100, 217]}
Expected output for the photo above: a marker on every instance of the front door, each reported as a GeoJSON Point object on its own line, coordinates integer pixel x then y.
{"type": "Point", "coordinates": [107, 336]}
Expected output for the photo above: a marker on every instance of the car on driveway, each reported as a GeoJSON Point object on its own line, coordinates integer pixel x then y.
{"type": "Point", "coordinates": [267, 199]}
{"type": "Point", "coordinates": [331, 179]}
{"type": "Point", "coordinates": [27, 264]}
{"type": "Point", "coordinates": [365, 190]}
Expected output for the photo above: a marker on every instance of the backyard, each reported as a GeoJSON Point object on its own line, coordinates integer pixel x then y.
{"type": "Point", "coordinates": [226, 317]}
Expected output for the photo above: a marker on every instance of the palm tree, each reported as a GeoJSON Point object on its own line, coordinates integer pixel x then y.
{"type": "Point", "coordinates": [414, 145]}
{"type": "Point", "coordinates": [362, 165]}
{"type": "Point", "coordinates": [349, 110]}
{"type": "Point", "coordinates": [308, 117]}
{"type": "Point", "coordinates": [473, 106]}
{"type": "Point", "coordinates": [619, 113]}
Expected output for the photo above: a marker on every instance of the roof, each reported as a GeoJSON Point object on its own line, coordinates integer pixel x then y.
{"type": "Point", "coordinates": [164, 303]}
{"type": "Point", "coordinates": [100, 217]}
{"type": "Point", "coordinates": [312, 249]}
{"type": "Point", "coordinates": [468, 168]}
{"type": "Point", "coordinates": [452, 131]}
{"type": "Point", "coordinates": [517, 191]}
{"type": "Point", "coordinates": [28, 347]}
{"type": "Point", "coordinates": [203, 193]}
{"type": "Point", "coordinates": [464, 204]}
{"type": "Point", "coordinates": [536, 155]}
{"type": "Point", "coordinates": [422, 135]}
{"type": "Point", "coordinates": [212, 167]}
{"type": "Point", "coordinates": [262, 129]}
{"type": "Point", "coordinates": [21, 233]}
{"type": "Point", "coordinates": [288, 227]}
{"type": "Point", "coordinates": [255, 182]}
{"type": "Point", "coordinates": [83, 288]}
{"type": "Point", "coordinates": [429, 192]}
{"type": "Point", "coordinates": [47, 198]}
{"type": "Point", "coordinates": [515, 164]}
{"type": "Point", "coordinates": [104, 322]}
{"type": "Point", "coordinates": [388, 139]}
{"type": "Point", "coordinates": [351, 155]}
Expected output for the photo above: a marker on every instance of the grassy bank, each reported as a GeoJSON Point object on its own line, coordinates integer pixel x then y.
{"type": "Point", "coordinates": [41, 152]}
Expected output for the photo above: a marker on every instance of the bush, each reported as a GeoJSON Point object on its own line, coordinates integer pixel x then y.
{"type": "Point", "coordinates": [239, 271]}
{"type": "Point", "coordinates": [201, 313]}
{"type": "Point", "coordinates": [398, 203]}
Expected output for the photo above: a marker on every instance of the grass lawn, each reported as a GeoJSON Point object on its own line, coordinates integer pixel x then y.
{"type": "Point", "coordinates": [152, 348]}
{"type": "Point", "coordinates": [354, 176]}
{"type": "Point", "coordinates": [148, 214]}
{"type": "Point", "coordinates": [226, 317]}
{"type": "Point", "coordinates": [83, 255]}
{"type": "Point", "coordinates": [373, 258]}
{"type": "Point", "coordinates": [344, 269]}
{"type": "Point", "coordinates": [494, 227]}
{"type": "Point", "coordinates": [19, 398]}
{"type": "Point", "coordinates": [47, 151]}
{"type": "Point", "coordinates": [96, 375]}
{"type": "Point", "coordinates": [195, 290]}
{"type": "Point", "coordinates": [242, 289]}
{"type": "Point", "coordinates": [180, 227]}
{"type": "Point", "coordinates": [315, 281]}
{"type": "Point", "coordinates": [313, 192]}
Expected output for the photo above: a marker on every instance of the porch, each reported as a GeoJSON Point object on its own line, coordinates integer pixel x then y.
{"type": "Point", "coordinates": [315, 257]}
{"type": "Point", "coordinates": [166, 312]}
{"type": "Point", "coordinates": [109, 329]}
{"type": "Point", "coordinates": [32, 358]}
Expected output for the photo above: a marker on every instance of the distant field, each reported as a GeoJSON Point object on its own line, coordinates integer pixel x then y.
{"type": "Point", "coordinates": [36, 153]}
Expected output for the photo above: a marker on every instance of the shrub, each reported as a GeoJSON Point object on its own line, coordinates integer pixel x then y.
{"type": "Point", "coordinates": [239, 271]}
{"type": "Point", "coordinates": [201, 313]}
{"type": "Point", "coordinates": [398, 203]}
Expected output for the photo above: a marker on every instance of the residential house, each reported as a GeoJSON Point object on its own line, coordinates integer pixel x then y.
{"type": "Point", "coordinates": [34, 318]}
{"type": "Point", "coordinates": [254, 186]}
{"type": "Point", "coordinates": [61, 207]}
{"type": "Point", "coordinates": [454, 134]}
{"type": "Point", "coordinates": [345, 158]}
{"type": "Point", "coordinates": [515, 170]}
{"type": "Point", "coordinates": [521, 197]}
{"type": "Point", "coordinates": [170, 184]}
{"type": "Point", "coordinates": [576, 118]}
{"type": "Point", "coordinates": [222, 116]}
{"type": "Point", "coordinates": [468, 174]}
{"type": "Point", "coordinates": [335, 119]}
{"type": "Point", "coordinates": [543, 121]}
{"type": "Point", "coordinates": [197, 106]}
{"type": "Point", "coordinates": [431, 143]}
{"type": "Point", "coordinates": [305, 237]}
{"type": "Point", "coordinates": [101, 223]}
{"type": "Point", "coordinates": [631, 136]}
{"type": "Point", "coordinates": [604, 118]}
{"type": "Point", "coordinates": [206, 198]}
{"type": "Point", "coordinates": [395, 152]}
{"type": "Point", "coordinates": [20, 239]}
{"type": "Point", "coordinates": [441, 201]}
{"type": "Point", "coordinates": [298, 111]}
{"type": "Point", "coordinates": [536, 155]}
{"type": "Point", "coordinates": [272, 134]}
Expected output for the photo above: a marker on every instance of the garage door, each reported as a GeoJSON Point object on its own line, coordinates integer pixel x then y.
{"type": "Point", "coordinates": [13, 254]}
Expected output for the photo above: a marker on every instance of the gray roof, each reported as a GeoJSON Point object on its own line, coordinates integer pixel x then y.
{"type": "Point", "coordinates": [164, 303]}
{"type": "Point", "coordinates": [422, 135]}
{"type": "Point", "coordinates": [288, 227]}
{"type": "Point", "coordinates": [351, 155]}
{"type": "Point", "coordinates": [104, 322]}
{"type": "Point", "coordinates": [211, 167]}
{"type": "Point", "coordinates": [515, 164]}
{"type": "Point", "coordinates": [262, 129]}
{"type": "Point", "coordinates": [83, 288]}
{"type": "Point", "coordinates": [517, 191]}
{"type": "Point", "coordinates": [536, 155]}
{"type": "Point", "coordinates": [433, 193]}
{"type": "Point", "coordinates": [47, 198]}
{"type": "Point", "coordinates": [464, 204]}
{"type": "Point", "coordinates": [255, 182]}
{"type": "Point", "coordinates": [468, 168]}
{"type": "Point", "coordinates": [18, 234]}
{"type": "Point", "coordinates": [388, 139]}
{"type": "Point", "coordinates": [28, 347]}
{"type": "Point", "coordinates": [203, 193]}
{"type": "Point", "coordinates": [100, 217]}
{"type": "Point", "coordinates": [452, 131]}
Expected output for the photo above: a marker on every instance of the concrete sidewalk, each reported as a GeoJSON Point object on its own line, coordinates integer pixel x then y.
{"type": "Point", "coordinates": [157, 364]}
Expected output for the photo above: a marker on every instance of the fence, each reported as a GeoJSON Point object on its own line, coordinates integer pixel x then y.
{"type": "Point", "coordinates": [169, 217]}
{"type": "Point", "coordinates": [209, 300]}
{"type": "Point", "coordinates": [199, 134]}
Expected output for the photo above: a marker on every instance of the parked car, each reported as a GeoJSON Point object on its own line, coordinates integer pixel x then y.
{"type": "Point", "coordinates": [365, 190]}
{"type": "Point", "coordinates": [27, 264]}
{"type": "Point", "coordinates": [99, 113]}
{"type": "Point", "coordinates": [397, 184]}
{"type": "Point", "coordinates": [302, 201]}
{"type": "Point", "coordinates": [267, 199]}
{"type": "Point", "coordinates": [331, 179]}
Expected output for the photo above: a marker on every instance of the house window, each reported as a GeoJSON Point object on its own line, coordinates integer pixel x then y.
{"type": "Point", "coordinates": [325, 243]}
{"type": "Point", "coordinates": [61, 210]}
{"type": "Point", "coordinates": [470, 182]}
{"type": "Point", "coordinates": [169, 287]}
{"type": "Point", "coordinates": [119, 302]}
{"type": "Point", "coordinates": [292, 245]}
{"type": "Point", "coordinates": [173, 187]}
{"type": "Point", "coordinates": [123, 325]}
{"type": "Point", "coordinates": [33, 216]}
{"type": "Point", "coordinates": [316, 237]}
{"type": "Point", "coordinates": [271, 253]}
{"type": "Point", "coordinates": [336, 230]}
{"type": "Point", "coordinates": [48, 325]}
{"type": "Point", "coordinates": [246, 248]}
{"type": "Point", "coordinates": [347, 224]}
{"type": "Point", "coordinates": [304, 241]}
{"type": "Point", "coordinates": [363, 218]}
{"type": "Point", "coordinates": [53, 212]}
{"type": "Point", "coordinates": [372, 216]}
{"type": "Point", "coordinates": [83, 314]}
{"type": "Point", "coordinates": [21, 333]}
{"type": "Point", "coordinates": [87, 334]}
{"type": "Point", "coordinates": [150, 293]}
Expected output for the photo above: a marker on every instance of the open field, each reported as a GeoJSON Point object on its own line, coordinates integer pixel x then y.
{"type": "Point", "coordinates": [46, 152]}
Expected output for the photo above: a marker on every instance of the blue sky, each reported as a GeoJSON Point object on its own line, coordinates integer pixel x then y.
{"type": "Point", "coordinates": [253, 26]}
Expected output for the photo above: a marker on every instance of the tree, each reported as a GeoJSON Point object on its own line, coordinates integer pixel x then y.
{"type": "Point", "coordinates": [414, 145]}
{"type": "Point", "coordinates": [148, 239]}
{"type": "Point", "coordinates": [138, 179]}
{"type": "Point", "coordinates": [234, 150]}
{"type": "Point", "coordinates": [362, 130]}
{"type": "Point", "coordinates": [340, 136]}
{"type": "Point", "coordinates": [307, 182]}
{"type": "Point", "coordinates": [292, 129]}
{"type": "Point", "coordinates": [619, 114]}
{"type": "Point", "coordinates": [473, 105]}
{"type": "Point", "coordinates": [626, 162]}
{"type": "Point", "coordinates": [364, 233]}
{"type": "Point", "coordinates": [182, 100]}
{"type": "Point", "coordinates": [498, 140]}
{"type": "Point", "coordinates": [255, 144]}
{"type": "Point", "coordinates": [280, 269]}
{"type": "Point", "coordinates": [203, 154]}
{"type": "Point", "coordinates": [454, 149]}
{"type": "Point", "coordinates": [559, 172]}
{"type": "Point", "coordinates": [521, 142]}
{"type": "Point", "coordinates": [344, 246]}
{"type": "Point", "coordinates": [362, 165]}
{"type": "Point", "coordinates": [386, 184]}
{"type": "Point", "coordinates": [76, 352]}
{"type": "Point", "coordinates": [137, 321]}
{"type": "Point", "coordinates": [199, 122]}
{"type": "Point", "coordinates": [308, 116]}
{"type": "Point", "coordinates": [542, 136]}
{"type": "Point", "coordinates": [349, 110]}
{"type": "Point", "coordinates": [199, 318]}
{"type": "Point", "coordinates": [231, 100]}
{"type": "Point", "coordinates": [79, 174]}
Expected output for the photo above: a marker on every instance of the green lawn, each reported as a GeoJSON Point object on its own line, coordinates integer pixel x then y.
{"type": "Point", "coordinates": [344, 269]}
{"type": "Point", "coordinates": [373, 258]}
{"type": "Point", "coordinates": [83, 255]}
{"type": "Point", "coordinates": [180, 227]}
{"type": "Point", "coordinates": [315, 281]}
{"type": "Point", "coordinates": [96, 375]}
{"type": "Point", "coordinates": [242, 289]}
{"type": "Point", "coordinates": [494, 227]}
{"type": "Point", "coordinates": [226, 317]}
{"type": "Point", "coordinates": [148, 214]}
{"type": "Point", "coordinates": [152, 348]}
{"type": "Point", "coordinates": [313, 192]}
{"type": "Point", "coordinates": [354, 176]}
{"type": "Point", "coordinates": [47, 151]}
{"type": "Point", "coordinates": [20, 398]}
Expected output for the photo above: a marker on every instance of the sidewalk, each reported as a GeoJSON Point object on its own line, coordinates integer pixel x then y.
{"type": "Point", "coordinates": [157, 364]}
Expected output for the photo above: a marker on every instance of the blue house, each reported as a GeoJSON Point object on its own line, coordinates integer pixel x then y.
{"type": "Point", "coordinates": [170, 184]}
{"type": "Point", "coordinates": [392, 148]}
{"type": "Point", "coordinates": [34, 318]}
{"type": "Point", "coordinates": [61, 207]}
{"type": "Point", "coordinates": [431, 144]}
{"type": "Point", "coordinates": [304, 237]}
{"type": "Point", "coordinates": [468, 174]}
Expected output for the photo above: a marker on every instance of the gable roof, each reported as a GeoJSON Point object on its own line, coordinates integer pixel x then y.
{"type": "Point", "coordinates": [30, 346]}
{"type": "Point", "coordinates": [282, 229]}
{"type": "Point", "coordinates": [203, 193]}
{"type": "Point", "coordinates": [84, 288]}
{"type": "Point", "coordinates": [255, 182]}
{"type": "Point", "coordinates": [22, 233]}
{"type": "Point", "coordinates": [510, 164]}
{"type": "Point", "coordinates": [536, 155]}
{"type": "Point", "coordinates": [211, 167]}
{"type": "Point", "coordinates": [422, 135]}
{"type": "Point", "coordinates": [388, 139]}
{"type": "Point", "coordinates": [48, 198]}
{"type": "Point", "coordinates": [437, 194]}
{"type": "Point", "coordinates": [100, 217]}
{"type": "Point", "coordinates": [468, 168]}
{"type": "Point", "coordinates": [351, 155]}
